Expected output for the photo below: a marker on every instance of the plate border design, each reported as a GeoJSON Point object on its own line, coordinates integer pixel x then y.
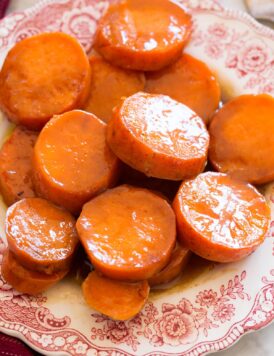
{"type": "Point", "coordinates": [59, 328]}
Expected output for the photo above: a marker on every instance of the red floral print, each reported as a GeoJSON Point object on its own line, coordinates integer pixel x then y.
{"type": "Point", "coordinates": [223, 312]}
{"type": "Point", "coordinates": [218, 32]}
{"type": "Point", "coordinates": [253, 57]}
{"type": "Point", "coordinates": [117, 331]}
{"type": "Point", "coordinates": [176, 327]}
{"type": "Point", "coordinates": [214, 50]}
{"type": "Point", "coordinates": [243, 51]}
{"type": "Point", "coordinates": [207, 298]}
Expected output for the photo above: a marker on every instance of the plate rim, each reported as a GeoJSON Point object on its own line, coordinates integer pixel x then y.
{"type": "Point", "coordinates": [262, 31]}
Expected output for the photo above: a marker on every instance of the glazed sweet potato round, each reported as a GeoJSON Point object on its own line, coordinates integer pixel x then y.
{"type": "Point", "coordinates": [72, 161]}
{"type": "Point", "coordinates": [178, 260]}
{"type": "Point", "coordinates": [220, 218]}
{"type": "Point", "coordinates": [108, 85]}
{"type": "Point", "coordinates": [143, 35]}
{"type": "Point", "coordinates": [25, 280]}
{"type": "Point", "coordinates": [241, 138]}
{"type": "Point", "coordinates": [116, 299]}
{"type": "Point", "coordinates": [158, 136]}
{"type": "Point", "coordinates": [128, 233]}
{"type": "Point", "coordinates": [41, 235]}
{"type": "Point", "coordinates": [16, 165]}
{"type": "Point", "coordinates": [190, 82]}
{"type": "Point", "coordinates": [43, 75]}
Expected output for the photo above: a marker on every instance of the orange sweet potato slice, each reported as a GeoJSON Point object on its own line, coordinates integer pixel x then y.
{"type": "Point", "coordinates": [116, 299]}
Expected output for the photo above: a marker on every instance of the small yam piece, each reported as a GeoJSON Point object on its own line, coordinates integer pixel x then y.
{"type": "Point", "coordinates": [108, 85]}
{"type": "Point", "coordinates": [16, 165]}
{"type": "Point", "coordinates": [220, 218]}
{"type": "Point", "coordinates": [143, 35]}
{"type": "Point", "coordinates": [158, 136]}
{"type": "Point", "coordinates": [72, 161]}
{"type": "Point", "coordinates": [167, 188]}
{"type": "Point", "coordinates": [25, 280]}
{"type": "Point", "coordinates": [241, 138]}
{"type": "Point", "coordinates": [116, 299]}
{"type": "Point", "coordinates": [43, 75]}
{"type": "Point", "coordinates": [128, 233]}
{"type": "Point", "coordinates": [41, 235]}
{"type": "Point", "coordinates": [190, 82]}
{"type": "Point", "coordinates": [178, 260]}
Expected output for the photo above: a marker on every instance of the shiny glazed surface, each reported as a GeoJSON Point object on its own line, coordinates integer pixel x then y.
{"type": "Point", "coordinates": [16, 165]}
{"type": "Point", "coordinates": [72, 161]}
{"type": "Point", "coordinates": [165, 125]}
{"type": "Point", "coordinates": [116, 299]}
{"type": "Point", "coordinates": [241, 138]}
{"type": "Point", "coordinates": [226, 212]}
{"type": "Point", "coordinates": [190, 82]}
{"type": "Point", "coordinates": [43, 75]}
{"type": "Point", "coordinates": [127, 232]}
{"type": "Point", "coordinates": [25, 280]}
{"type": "Point", "coordinates": [108, 85]}
{"type": "Point", "coordinates": [40, 233]}
{"type": "Point", "coordinates": [178, 260]}
{"type": "Point", "coordinates": [165, 138]}
{"type": "Point", "coordinates": [138, 29]}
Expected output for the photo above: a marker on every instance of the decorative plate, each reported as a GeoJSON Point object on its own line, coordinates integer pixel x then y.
{"type": "Point", "coordinates": [213, 305]}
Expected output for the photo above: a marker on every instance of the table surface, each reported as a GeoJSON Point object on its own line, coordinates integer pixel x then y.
{"type": "Point", "coordinates": [255, 344]}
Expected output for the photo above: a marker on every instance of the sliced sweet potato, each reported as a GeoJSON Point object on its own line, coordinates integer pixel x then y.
{"type": "Point", "coordinates": [220, 218]}
{"type": "Point", "coordinates": [127, 232]}
{"type": "Point", "coordinates": [43, 75]}
{"type": "Point", "coordinates": [16, 165]}
{"type": "Point", "coordinates": [116, 299]}
{"type": "Point", "coordinates": [143, 35]}
{"type": "Point", "coordinates": [25, 280]}
{"type": "Point", "coordinates": [41, 235]}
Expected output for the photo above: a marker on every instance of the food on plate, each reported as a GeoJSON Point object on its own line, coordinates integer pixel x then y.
{"type": "Point", "coordinates": [178, 260]}
{"type": "Point", "coordinates": [220, 218]}
{"type": "Point", "coordinates": [241, 138]}
{"type": "Point", "coordinates": [25, 280]}
{"type": "Point", "coordinates": [158, 136]}
{"type": "Point", "coordinates": [16, 165]}
{"type": "Point", "coordinates": [116, 299]}
{"type": "Point", "coordinates": [143, 35]}
{"type": "Point", "coordinates": [41, 235]}
{"type": "Point", "coordinates": [128, 232]}
{"type": "Point", "coordinates": [190, 82]}
{"type": "Point", "coordinates": [108, 85]}
{"type": "Point", "coordinates": [41, 76]}
{"type": "Point", "coordinates": [72, 161]}
{"type": "Point", "coordinates": [168, 188]}
{"type": "Point", "coordinates": [147, 104]}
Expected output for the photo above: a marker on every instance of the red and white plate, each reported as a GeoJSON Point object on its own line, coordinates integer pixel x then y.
{"type": "Point", "coordinates": [213, 305]}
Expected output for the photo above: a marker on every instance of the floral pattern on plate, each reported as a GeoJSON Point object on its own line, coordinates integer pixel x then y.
{"type": "Point", "coordinates": [217, 305]}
